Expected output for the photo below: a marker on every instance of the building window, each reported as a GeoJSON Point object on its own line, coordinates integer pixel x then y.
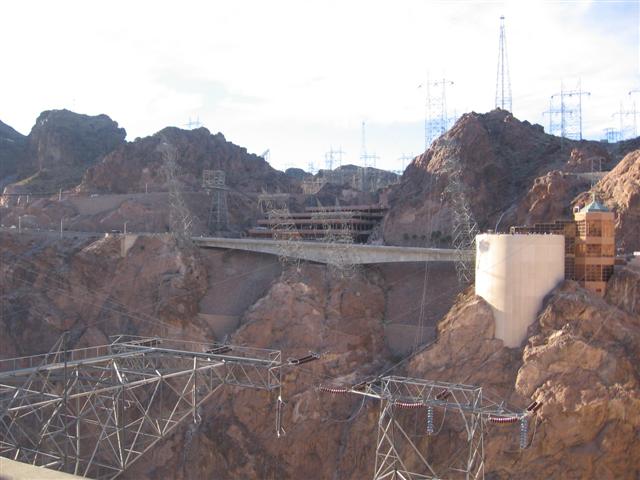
{"type": "Point", "coordinates": [593, 250]}
{"type": "Point", "coordinates": [579, 273]}
{"type": "Point", "coordinates": [608, 250]}
{"type": "Point", "coordinates": [607, 271]}
{"type": "Point", "coordinates": [582, 228]}
{"type": "Point", "coordinates": [593, 273]}
{"type": "Point", "coordinates": [595, 229]}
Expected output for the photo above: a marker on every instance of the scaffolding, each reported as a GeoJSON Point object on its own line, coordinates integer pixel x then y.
{"type": "Point", "coordinates": [398, 455]}
{"type": "Point", "coordinates": [95, 411]}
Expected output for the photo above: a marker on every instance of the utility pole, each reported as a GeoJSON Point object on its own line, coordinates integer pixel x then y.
{"type": "Point", "coordinates": [503, 80]}
{"type": "Point", "coordinates": [61, 227]}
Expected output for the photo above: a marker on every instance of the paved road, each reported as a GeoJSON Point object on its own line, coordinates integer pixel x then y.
{"type": "Point", "coordinates": [337, 253]}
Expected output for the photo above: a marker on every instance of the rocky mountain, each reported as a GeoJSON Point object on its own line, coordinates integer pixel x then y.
{"type": "Point", "coordinates": [511, 173]}
{"type": "Point", "coordinates": [12, 151]}
{"type": "Point", "coordinates": [620, 190]}
{"type": "Point", "coordinates": [59, 149]}
{"type": "Point", "coordinates": [580, 360]}
{"type": "Point", "coordinates": [139, 165]}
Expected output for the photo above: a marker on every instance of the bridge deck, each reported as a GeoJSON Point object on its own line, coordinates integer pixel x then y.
{"type": "Point", "coordinates": [337, 253]}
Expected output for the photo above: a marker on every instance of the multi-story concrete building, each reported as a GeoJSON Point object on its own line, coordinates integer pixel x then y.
{"type": "Point", "coordinates": [589, 244]}
{"type": "Point", "coordinates": [595, 246]}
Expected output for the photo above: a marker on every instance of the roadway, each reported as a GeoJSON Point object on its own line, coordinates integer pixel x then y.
{"type": "Point", "coordinates": [320, 252]}
{"type": "Point", "coordinates": [332, 253]}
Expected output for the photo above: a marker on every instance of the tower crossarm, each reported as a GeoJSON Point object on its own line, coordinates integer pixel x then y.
{"type": "Point", "coordinates": [415, 393]}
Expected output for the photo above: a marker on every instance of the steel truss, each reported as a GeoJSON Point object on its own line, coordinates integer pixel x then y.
{"type": "Point", "coordinates": [398, 456]}
{"type": "Point", "coordinates": [464, 227]}
{"type": "Point", "coordinates": [95, 411]}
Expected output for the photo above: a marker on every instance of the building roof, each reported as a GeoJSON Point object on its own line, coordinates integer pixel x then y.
{"type": "Point", "coordinates": [594, 206]}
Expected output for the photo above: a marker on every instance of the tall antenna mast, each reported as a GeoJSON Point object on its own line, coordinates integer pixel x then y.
{"type": "Point", "coordinates": [503, 81]}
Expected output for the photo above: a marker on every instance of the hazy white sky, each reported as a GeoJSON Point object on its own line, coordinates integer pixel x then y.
{"type": "Point", "coordinates": [298, 77]}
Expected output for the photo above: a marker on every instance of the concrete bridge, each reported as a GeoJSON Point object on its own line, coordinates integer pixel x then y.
{"type": "Point", "coordinates": [337, 253]}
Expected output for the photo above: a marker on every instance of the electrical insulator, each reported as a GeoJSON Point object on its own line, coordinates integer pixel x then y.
{"type": "Point", "coordinates": [430, 429]}
{"type": "Point", "coordinates": [524, 432]}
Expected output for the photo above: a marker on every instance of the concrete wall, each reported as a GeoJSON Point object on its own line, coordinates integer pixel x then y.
{"type": "Point", "coordinates": [513, 274]}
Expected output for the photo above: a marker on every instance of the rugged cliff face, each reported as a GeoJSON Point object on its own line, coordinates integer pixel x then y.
{"type": "Point", "coordinates": [58, 150]}
{"type": "Point", "coordinates": [511, 173]}
{"type": "Point", "coordinates": [85, 286]}
{"type": "Point", "coordinates": [620, 190]}
{"type": "Point", "coordinates": [139, 165]}
{"type": "Point", "coordinates": [309, 310]}
{"type": "Point", "coordinates": [12, 152]}
{"type": "Point", "coordinates": [580, 361]}
{"type": "Point", "coordinates": [61, 138]}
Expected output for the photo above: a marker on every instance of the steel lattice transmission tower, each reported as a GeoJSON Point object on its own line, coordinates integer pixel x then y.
{"type": "Point", "coordinates": [180, 217]}
{"type": "Point", "coordinates": [626, 130]}
{"type": "Point", "coordinates": [503, 80]}
{"type": "Point", "coordinates": [95, 411]}
{"type": "Point", "coordinates": [437, 120]}
{"type": "Point", "coordinates": [333, 158]}
{"type": "Point", "coordinates": [465, 409]}
{"type": "Point", "coordinates": [464, 227]}
{"type": "Point", "coordinates": [565, 112]}
{"type": "Point", "coordinates": [213, 181]}
{"type": "Point", "coordinates": [368, 160]}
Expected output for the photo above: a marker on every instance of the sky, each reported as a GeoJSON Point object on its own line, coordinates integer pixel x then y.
{"type": "Point", "coordinates": [298, 78]}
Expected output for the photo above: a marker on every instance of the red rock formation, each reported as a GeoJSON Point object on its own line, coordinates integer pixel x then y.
{"type": "Point", "coordinates": [138, 165]}
{"type": "Point", "coordinates": [511, 172]}
{"type": "Point", "coordinates": [580, 361]}
{"type": "Point", "coordinates": [620, 190]}
{"type": "Point", "coordinates": [85, 286]}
